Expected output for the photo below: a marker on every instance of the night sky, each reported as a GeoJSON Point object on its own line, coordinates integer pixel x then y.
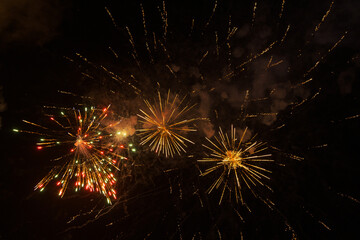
{"type": "Point", "coordinates": [164, 198]}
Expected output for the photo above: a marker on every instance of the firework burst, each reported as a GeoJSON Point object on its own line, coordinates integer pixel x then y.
{"type": "Point", "coordinates": [89, 162]}
{"type": "Point", "coordinates": [239, 162]}
{"type": "Point", "coordinates": [164, 124]}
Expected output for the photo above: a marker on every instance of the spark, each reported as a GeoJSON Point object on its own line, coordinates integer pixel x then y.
{"type": "Point", "coordinates": [212, 14]}
{"type": "Point", "coordinates": [164, 17]}
{"type": "Point", "coordinates": [257, 55]}
{"type": "Point", "coordinates": [282, 9]}
{"type": "Point", "coordinates": [192, 26]}
{"type": "Point", "coordinates": [324, 17]}
{"type": "Point", "coordinates": [239, 161]}
{"type": "Point", "coordinates": [254, 13]}
{"type": "Point", "coordinates": [132, 42]}
{"type": "Point", "coordinates": [110, 15]}
{"type": "Point", "coordinates": [164, 124]}
{"type": "Point", "coordinates": [146, 33]}
{"type": "Point", "coordinates": [285, 34]}
{"type": "Point", "coordinates": [115, 54]}
{"type": "Point", "coordinates": [302, 83]}
{"type": "Point", "coordinates": [325, 55]}
{"type": "Point", "coordinates": [352, 117]}
{"type": "Point", "coordinates": [204, 56]}
{"type": "Point", "coordinates": [217, 43]}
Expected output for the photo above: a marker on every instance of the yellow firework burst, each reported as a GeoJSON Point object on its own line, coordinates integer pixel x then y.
{"type": "Point", "coordinates": [165, 123]}
{"type": "Point", "coordinates": [239, 161]}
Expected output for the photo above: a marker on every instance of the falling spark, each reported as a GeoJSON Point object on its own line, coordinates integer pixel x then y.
{"type": "Point", "coordinates": [146, 33]}
{"type": "Point", "coordinates": [111, 17]}
{"type": "Point", "coordinates": [192, 26]}
{"type": "Point", "coordinates": [325, 55]}
{"type": "Point", "coordinates": [352, 117]}
{"type": "Point", "coordinates": [324, 17]}
{"type": "Point", "coordinates": [134, 53]}
{"type": "Point", "coordinates": [115, 54]}
{"type": "Point", "coordinates": [212, 14]}
{"type": "Point", "coordinates": [254, 13]}
{"type": "Point", "coordinates": [282, 8]}
{"type": "Point", "coordinates": [257, 55]}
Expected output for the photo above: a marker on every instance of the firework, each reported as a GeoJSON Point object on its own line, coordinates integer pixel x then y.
{"type": "Point", "coordinates": [239, 161]}
{"type": "Point", "coordinates": [164, 124]}
{"type": "Point", "coordinates": [89, 162]}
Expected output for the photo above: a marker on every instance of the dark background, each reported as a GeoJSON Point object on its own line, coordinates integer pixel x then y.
{"type": "Point", "coordinates": [34, 38]}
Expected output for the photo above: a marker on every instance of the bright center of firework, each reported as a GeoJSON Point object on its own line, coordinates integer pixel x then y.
{"type": "Point", "coordinates": [81, 146]}
{"type": "Point", "coordinates": [79, 142]}
{"type": "Point", "coordinates": [233, 159]}
{"type": "Point", "coordinates": [163, 129]}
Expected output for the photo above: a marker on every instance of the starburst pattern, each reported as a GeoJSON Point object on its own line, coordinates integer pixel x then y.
{"type": "Point", "coordinates": [89, 162]}
{"type": "Point", "coordinates": [164, 124]}
{"type": "Point", "coordinates": [240, 162]}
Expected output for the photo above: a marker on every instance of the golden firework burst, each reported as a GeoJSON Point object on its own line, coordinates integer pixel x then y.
{"type": "Point", "coordinates": [240, 162]}
{"type": "Point", "coordinates": [165, 123]}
